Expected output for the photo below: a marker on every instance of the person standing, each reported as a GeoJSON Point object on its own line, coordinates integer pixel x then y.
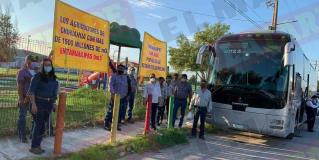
{"type": "Point", "coordinates": [43, 94]}
{"type": "Point", "coordinates": [202, 102]}
{"type": "Point", "coordinates": [124, 102]}
{"type": "Point", "coordinates": [118, 85]}
{"type": "Point", "coordinates": [161, 103]}
{"type": "Point", "coordinates": [24, 77]}
{"type": "Point", "coordinates": [169, 92]}
{"type": "Point", "coordinates": [132, 93]}
{"type": "Point", "coordinates": [182, 90]}
{"type": "Point", "coordinates": [311, 110]}
{"type": "Point", "coordinates": [153, 89]}
{"type": "Point", "coordinates": [175, 80]}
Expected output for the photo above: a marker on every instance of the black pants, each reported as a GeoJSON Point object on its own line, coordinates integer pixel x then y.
{"type": "Point", "coordinates": [311, 117]}
{"type": "Point", "coordinates": [153, 115]}
{"type": "Point", "coordinates": [41, 117]}
{"type": "Point", "coordinates": [200, 113]}
{"type": "Point", "coordinates": [160, 114]}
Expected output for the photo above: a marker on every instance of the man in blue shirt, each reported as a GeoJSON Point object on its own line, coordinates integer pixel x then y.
{"type": "Point", "coordinates": [182, 91]}
{"type": "Point", "coordinates": [118, 85]}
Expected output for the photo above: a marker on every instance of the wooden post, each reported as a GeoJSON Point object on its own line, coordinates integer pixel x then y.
{"type": "Point", "coordinates": [115, 117]}
{"type": "Point", "coordinates": [59, 124]}
{"type": "Point", "coordinates": [148, 115]}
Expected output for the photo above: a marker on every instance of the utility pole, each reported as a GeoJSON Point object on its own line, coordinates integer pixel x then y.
{"type": "Point", "coordinates": [275, 14]}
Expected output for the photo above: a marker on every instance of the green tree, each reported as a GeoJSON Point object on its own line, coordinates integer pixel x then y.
{"type": "Point", "coordinates": [183, 57]}
{"type": "Point", "coordinates": [8, 37]}
{"type": "Point", "coordinates": [192, 80]}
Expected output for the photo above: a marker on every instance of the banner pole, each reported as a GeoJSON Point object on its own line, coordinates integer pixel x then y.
{"type": "Point", "coordinates": [59, 124]}
{"type": "Point", "coordinates": [170, 112]}
{"type": "Point", "coordinates": [148, 115]}
{"type": "Point", "coordinates": [116, 108]}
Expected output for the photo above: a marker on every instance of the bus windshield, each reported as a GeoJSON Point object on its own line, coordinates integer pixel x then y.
{"type": "Point", "coordinates": [251, 72]}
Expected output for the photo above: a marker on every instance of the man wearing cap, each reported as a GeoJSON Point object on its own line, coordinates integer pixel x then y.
{"type": "Point", "coordinates": [24, 77]}
{"type": "Point", "coordinates": [118, 85]}
{"type": "Point", "coordinates": [182, 91]}
{"type": "Point", "coordinates": [311, 110]}
{"type": "Point", "coordinates": [132, 93]}
{"type": "Point", "coordinates": [202, 102]}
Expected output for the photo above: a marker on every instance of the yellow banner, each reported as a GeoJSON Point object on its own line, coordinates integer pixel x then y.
{"type": "Point", "coordinates": [80, 40]}
{"type": "Point", "coordinates": [153, 57]}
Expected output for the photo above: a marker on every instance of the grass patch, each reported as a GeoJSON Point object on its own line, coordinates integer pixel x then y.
{"type": "Point", "coordinates": [209, 128]}
{"type": "Point", "coordinates": [162, 139]}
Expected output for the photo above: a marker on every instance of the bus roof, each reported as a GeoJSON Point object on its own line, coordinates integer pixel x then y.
{"type": "Point", "coordinates": [260, 35]}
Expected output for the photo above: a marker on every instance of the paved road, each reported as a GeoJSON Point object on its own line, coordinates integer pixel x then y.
{"type": "Point", "coordinates": [235, 145]}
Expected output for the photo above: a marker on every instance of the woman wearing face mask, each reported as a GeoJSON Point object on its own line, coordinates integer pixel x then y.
{"type": "Point", "coordinates": [43, 92]}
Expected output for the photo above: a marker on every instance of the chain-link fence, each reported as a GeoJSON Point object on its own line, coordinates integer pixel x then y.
{"type": "Point", "coordinates": [85, 106]}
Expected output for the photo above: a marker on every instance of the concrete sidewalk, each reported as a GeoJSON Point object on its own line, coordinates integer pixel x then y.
{"type": "Point", "coordinates": [75, 140]}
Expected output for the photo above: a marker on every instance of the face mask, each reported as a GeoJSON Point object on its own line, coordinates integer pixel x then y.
{"type": "Point", "coordinates": [153, 80]}
{"type": "Point", "coordinates": [32, 72]}
{"type": "Point", "coordinates": [183, 80]}
{"type": "Point", "coordinates": [34, 65]}
{"type": "Point", "coordinates": [47, 69]}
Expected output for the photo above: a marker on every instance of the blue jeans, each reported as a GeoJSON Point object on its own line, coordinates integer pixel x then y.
{"type": "Point", "coordinates": [179, 103]}
{"type": "Point", "coordinates": [123, 107]}
{"type": "Point", "coordinates": [40, 118]}
{"type": "Point", "coordinates": [109, 114]}
{"type": "Point", "coordinates": [130, 105]}
{"type": "Point", "coordinates": [23, 110]}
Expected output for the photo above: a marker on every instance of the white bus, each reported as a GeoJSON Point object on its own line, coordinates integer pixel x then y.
{"type": "Point", "coordinates": [259, 81]}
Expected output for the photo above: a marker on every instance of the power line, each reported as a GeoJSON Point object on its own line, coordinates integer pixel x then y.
{"type": "Point", "coordinates": [243, 14]}
{"type": "Point", "coordinates": [193, 12]}
{"type": "Point", "coordinates": [255, 13]}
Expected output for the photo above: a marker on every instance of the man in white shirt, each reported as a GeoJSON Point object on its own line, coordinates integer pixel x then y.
{"type": "Point", "coordinates": [311, 110]}
{"type": "Point", "coordinates": [202, 101]}
{"type": "Point", "coordinates": [152, 88]}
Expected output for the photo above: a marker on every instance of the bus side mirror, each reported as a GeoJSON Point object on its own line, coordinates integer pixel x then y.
{"type": "Point", "coordinates": [205, 49]}
{"type": "Point", "coordinates": [289, 47]}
